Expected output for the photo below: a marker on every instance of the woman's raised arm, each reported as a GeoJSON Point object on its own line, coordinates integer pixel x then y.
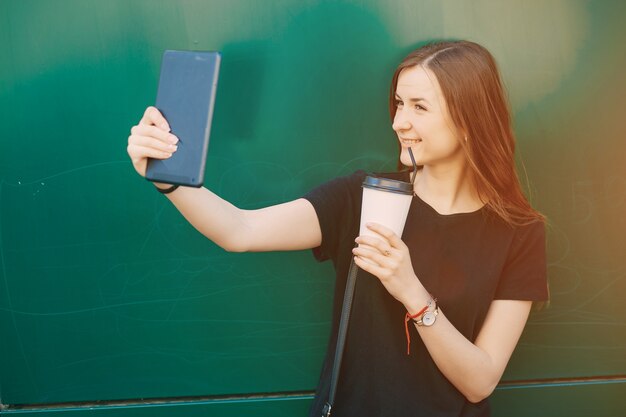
{"type": "Point", "coordinates": [288, 226]}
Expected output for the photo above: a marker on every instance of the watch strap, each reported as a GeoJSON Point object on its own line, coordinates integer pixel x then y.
{"type": "Point", "coordinates": [167, 190]}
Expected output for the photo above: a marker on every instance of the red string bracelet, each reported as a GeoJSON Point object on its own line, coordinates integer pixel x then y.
{"type": "Point", "coordinates": [407, 318]}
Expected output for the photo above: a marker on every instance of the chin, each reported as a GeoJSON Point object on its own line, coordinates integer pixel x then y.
{"type": "Point", "coordinates": [405, 158]}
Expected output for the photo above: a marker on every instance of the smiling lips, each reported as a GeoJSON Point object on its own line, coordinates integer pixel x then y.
{"type": "Point", "coordinates": [410, 142]}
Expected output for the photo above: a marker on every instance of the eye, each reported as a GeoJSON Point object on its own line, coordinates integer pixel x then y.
{"type": "Point", "coordinates": [420, 107]}
{"type": "Point", "coordinates": [398, 103]}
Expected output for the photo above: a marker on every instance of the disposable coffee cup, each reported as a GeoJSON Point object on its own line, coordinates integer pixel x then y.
{"type": "Point", "coordinates": [387, 202]}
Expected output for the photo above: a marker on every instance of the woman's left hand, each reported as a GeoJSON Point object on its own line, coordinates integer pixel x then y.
{"type": "Point", "coordinates": [388, 258]}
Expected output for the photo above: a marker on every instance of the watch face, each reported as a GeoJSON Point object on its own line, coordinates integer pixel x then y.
{"type": "Point", "coordinates": [428, 319]}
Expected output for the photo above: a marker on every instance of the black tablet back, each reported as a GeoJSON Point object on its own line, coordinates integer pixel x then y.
{"type": "Point", "coordinates": [186, 98]}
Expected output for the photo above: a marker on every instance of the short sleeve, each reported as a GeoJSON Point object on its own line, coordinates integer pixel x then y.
{"type": "Point", "coordinates": [524, 276]}
{"type": "Point", "coordinates": [335, 203]}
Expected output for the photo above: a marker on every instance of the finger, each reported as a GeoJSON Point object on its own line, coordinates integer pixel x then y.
{"type": "Point", "coordinates": [381, 245]}
{"type": "Point", "coordinates": [155, 132]}
{"type": "Point", "coordinates": [152, 116]}
{"type": "Point", "coordinates": [370, 240]}
{"type": "Point", "coordinates": [368, 266]}
{"type": "Point", "coordinates": [137, 153]}
{"type": "Point", "coordinates": [372, 256]}
{"type": "Point", "coordinates": [387, 233]}
{"type": "Point", "coordinates": [150, 142]}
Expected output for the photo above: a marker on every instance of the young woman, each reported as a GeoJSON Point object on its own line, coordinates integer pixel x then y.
{"type": "Point", "coordinates": [469, 264]}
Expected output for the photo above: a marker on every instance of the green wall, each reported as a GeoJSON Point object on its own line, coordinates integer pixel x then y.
{"type": "Point", "coordinates": [107, 294]}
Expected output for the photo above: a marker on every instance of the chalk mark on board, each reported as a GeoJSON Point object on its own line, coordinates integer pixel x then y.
{"type": "Point", "coordinates": [69, 171]}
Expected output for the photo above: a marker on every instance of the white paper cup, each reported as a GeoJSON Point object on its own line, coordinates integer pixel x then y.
{"type": "Point", "coordinates": [385, 202]}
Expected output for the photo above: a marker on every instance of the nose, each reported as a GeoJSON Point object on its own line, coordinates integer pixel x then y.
{"type": "Point", "coordinates": [400, 122]}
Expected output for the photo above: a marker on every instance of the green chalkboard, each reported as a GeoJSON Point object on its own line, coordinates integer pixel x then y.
{"type": "Point", "coordinates": [106, 293]}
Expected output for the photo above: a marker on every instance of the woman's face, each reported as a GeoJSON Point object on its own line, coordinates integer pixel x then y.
{"type": "Point", "coordinates": [422, 121]}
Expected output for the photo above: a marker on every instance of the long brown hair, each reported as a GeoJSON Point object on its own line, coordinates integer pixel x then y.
{"type": "Point", "coordinates": [470, 82]}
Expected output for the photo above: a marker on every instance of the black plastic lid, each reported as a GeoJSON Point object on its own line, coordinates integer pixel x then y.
{"type": "Point", "coordinates": [385, 184]}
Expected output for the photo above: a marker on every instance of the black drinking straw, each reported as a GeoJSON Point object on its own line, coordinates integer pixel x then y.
{"type": "Point", "coordinates": [414, 166]}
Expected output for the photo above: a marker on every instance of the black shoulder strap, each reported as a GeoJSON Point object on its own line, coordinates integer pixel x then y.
{"type": "Point", "coordinates": [341, 336]}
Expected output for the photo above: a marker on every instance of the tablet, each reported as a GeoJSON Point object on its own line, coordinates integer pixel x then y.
{"type": "Point", "coordinates": [186, 97]}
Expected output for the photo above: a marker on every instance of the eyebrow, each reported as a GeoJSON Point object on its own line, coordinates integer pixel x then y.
{"type": "Point", "coordinates": [412, 100]}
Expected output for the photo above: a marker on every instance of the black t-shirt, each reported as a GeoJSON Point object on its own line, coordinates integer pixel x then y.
{"type": "Point", "coordinates": [465, 260]}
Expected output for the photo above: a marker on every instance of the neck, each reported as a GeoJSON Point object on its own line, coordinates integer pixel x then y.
{"type": "Point", "coordinates": [448, 189]}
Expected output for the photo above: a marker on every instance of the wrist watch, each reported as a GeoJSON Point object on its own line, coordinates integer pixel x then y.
{"type": "Point", "coordinates": [428, 318]}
